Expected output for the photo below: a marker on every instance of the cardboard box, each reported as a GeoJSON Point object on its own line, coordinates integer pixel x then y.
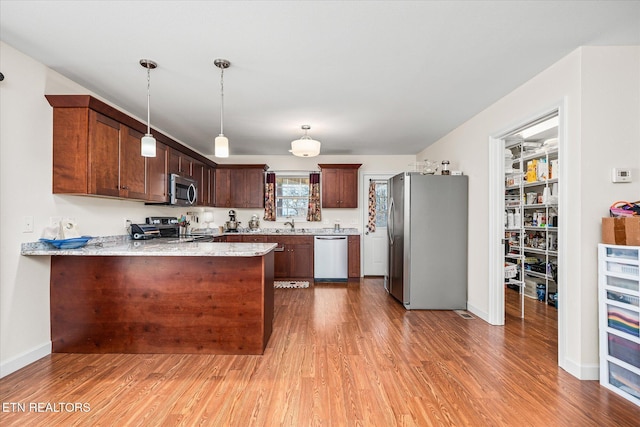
{"type": "Point", "coordinates": [621, 231]}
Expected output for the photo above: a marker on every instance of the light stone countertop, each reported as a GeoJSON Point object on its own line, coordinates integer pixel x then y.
{"type": "Point", "coordinates": [125, 246]}
{"type": "Point", "coordinates": [298, 231]}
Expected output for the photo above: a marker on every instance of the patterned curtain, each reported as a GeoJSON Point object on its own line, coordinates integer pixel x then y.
{"type": "Point", "coordinates": [313, 212]}
{"type": "Point", "coordinates": [371, 223]}
{"type": "Point", "coordinates": [270, 197]}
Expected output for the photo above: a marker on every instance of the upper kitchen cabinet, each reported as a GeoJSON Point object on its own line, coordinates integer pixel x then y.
{"type": "Point", "coordinates": [96, 151]}
{"type": "Point", "coordinates": [339, 185]}
{"type": "Point", "coordinates": [157, 182]}
{"type": "Point", "coordinates": [202, 174]}
{"type": "Point", "coordinates": [239, 186]}
{"type": "Point", "coordinates": [180, 163]}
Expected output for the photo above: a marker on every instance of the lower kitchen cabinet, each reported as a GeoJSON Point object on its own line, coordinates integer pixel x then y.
{"type": "Point", "coordinates": [293, 257]}
{"type": "Point", "coordinates": [354, 256]}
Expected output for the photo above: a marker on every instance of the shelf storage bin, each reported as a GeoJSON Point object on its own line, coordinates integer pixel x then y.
{"type": "Point", "coordinates": [624, 380]}
{"type": "Point", "coordinates": [619, 319]}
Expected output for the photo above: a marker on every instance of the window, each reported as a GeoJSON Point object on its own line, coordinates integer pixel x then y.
{"type": "Point", "coordinates": [292, 196]}
{"type": "Point", "coordinates": [381, 203]}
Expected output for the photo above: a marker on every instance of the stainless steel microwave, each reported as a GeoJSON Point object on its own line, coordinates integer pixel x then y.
{"type": "Point", "coordinates": [182, 191]}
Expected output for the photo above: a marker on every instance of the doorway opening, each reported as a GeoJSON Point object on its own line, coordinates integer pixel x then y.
{"type": "Point", "coordinates": [527, 243]}
{"type": "Point", "coordinates": [375, 238]}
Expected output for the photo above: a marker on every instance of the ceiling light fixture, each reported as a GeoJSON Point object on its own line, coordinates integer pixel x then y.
{"type": "Point", "coordinates": [222, 142]}
{"type": "Point", "coordinates": [148, 142]}
{"type": "Point", "coordinates": [305, 146]}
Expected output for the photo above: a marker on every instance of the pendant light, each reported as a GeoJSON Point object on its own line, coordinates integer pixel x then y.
{"type": "Point", "coordinates": [305, 146]}
{"type": "Point", "coordinates": [221, 143]}
{"type": "Point", "coordinates": [148, 142]}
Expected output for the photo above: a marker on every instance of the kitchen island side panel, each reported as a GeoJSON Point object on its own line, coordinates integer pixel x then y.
{"type": "Point", "coordinates": [161, 304]}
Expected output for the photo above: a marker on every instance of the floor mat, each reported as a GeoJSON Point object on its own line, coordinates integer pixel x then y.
{"type": "Point", "coordinates": [290, 284]}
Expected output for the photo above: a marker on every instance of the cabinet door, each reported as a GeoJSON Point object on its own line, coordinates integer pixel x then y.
{"type": "Point", "coordinates": [175, 160]}
{"type": "Point", "coordinates": [233, 238]}
{"type": "Point", "coordinates": [209, 185]}
{"type": "Point", "coordinates": [132, 166]}
{"type": "Point", "coordinates": [157, 178]}
{"type": "Point", "coordinates": [348, 184]}
{"type": "Point", "coordinates": [197, 173]}
{"type": "Point", "coordinates": [104, 150]}
{"type": "Point", "coordinates": [301, 260]}
{"type": "Point", "coordinates": [254, 188]}
{"type": "Point", "coordinates": [330, 188]}
{"type": "Point", "coordinates": [281, 261]}
{"type": "Point", "coordinates": [222, 188]}
{"type": "Point", "coordinates": [237, 188]}
{"type": "Point", "coordinates": [354, 256]}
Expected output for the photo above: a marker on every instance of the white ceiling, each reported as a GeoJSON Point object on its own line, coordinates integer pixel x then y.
{"type": "Point", "coordinates": [369, 77]}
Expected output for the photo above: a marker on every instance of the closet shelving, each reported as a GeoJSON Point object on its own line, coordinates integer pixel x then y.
{"type": "Point", "coordinates": [531, 217]}
{"type": "Point", "coordinates": [619, 319]}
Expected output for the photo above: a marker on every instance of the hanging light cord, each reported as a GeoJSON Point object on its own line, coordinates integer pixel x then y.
{"type": "Point", "coordinates": [222, 101]}
{"type": "Point", "coordinates": [148, 100]}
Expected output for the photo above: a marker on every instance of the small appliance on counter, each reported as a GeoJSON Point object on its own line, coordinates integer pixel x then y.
{"type": "Point", "coordinates": [254, 223]}
{"type": "Point", "coordinates": [232, 225]}
{"type": "Point", "coordinates": [156, 226]}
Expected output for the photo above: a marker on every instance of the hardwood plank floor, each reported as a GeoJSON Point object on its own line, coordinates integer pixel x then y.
{"type": "Point", "coordinates": [340, 355]}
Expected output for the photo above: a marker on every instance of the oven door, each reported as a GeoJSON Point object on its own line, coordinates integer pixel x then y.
{"type": "Point", "coordinates": [184, 191]}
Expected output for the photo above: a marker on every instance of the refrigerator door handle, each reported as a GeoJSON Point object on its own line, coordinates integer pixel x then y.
{"type": "Point", "coordinates": [390, 218]}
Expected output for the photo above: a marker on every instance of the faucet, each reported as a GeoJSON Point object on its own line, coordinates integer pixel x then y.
{"type": "Point", "coordinates": [291, 223]}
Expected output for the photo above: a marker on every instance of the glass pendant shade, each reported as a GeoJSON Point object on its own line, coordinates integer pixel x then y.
{"type": "Point", "coordinates": [305, 147]}
{"type": "Point", "coordinates": [148, 142]}
{"type": "Point", "coordinates": [148, 146]}
{"type": "Point", "coordinates": [221, 146]}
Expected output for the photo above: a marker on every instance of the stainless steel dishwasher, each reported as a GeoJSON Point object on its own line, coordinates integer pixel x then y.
{"type": "Point", "coordinates": [330, 259]}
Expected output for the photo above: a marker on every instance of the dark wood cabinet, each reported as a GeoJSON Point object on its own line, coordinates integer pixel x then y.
{"type": "Point", "coordinates": [157, 182]}
{"type": "Point", "coordinates": [222, 186]}
{"type": "Point", "coordinates": [115, 166]}
{"type": "Point", "coordinates": [354, 256]}
{"type": "Point", "coordinates": [339, 185]}
{"type": "Point", "coordinates": [180, 163]}
{"type": "Point", "coordinates": [103, 156]}
{"type": "Point", "coordinates": [133, 167]}
{"type": "Point", "coordinates": [208, 191]}
{"type": "Point", "coordinates": [198, 171]}
{"type": "Point", "coordinates": [239, 186]}
{"type": "Point", "coordinates": [293, 257]}
{"type": "Point", "coordinates": [96, 151]}
{"type": "Point", "coordinates": [254, 238]}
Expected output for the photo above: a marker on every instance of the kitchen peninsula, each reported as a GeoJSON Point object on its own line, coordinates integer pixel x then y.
{"type": "Point", "coordinates": [116, 295]}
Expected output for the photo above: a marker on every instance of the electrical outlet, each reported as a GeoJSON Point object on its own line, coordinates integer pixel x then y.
{"type": "Point", "coordinates": [27, 224]}
{"type": "Point", "coordinates": [127, 223]}
{"type": "Point", "coordinates": [55, 220]}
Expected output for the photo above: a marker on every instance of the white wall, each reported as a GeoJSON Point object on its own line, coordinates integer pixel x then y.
{"type": "Point", "coordinates": [26, 159]}
{"type": "Point", "coordinates": [600, 87]}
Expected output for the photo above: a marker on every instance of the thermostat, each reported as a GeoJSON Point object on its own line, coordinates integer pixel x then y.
{"type": "Point", "coordinates": [620, 175]}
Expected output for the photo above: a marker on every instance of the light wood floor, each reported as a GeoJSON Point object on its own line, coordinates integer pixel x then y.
{"type": "Point", "coordinates": [339, 355]}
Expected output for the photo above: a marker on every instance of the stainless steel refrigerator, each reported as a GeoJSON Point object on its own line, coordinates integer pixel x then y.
{"type": "Point", "coordinates": [427, 226]}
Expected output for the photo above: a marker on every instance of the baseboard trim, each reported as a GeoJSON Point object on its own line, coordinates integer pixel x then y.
{"type": "Point", "coordinates": [24, 359]}
{"type": "Point", "coordinates": [479, 313]}
{"type": "Point", "coordinates": [582, 372]}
